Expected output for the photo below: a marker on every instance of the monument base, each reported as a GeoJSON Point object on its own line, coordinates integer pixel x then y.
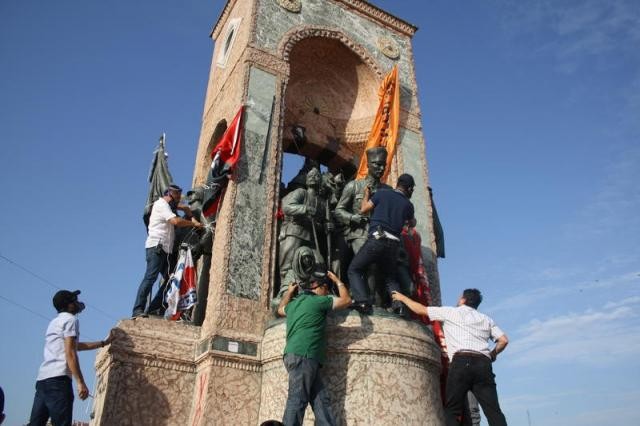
{"type": "Point", "coordinates": [380, 370]}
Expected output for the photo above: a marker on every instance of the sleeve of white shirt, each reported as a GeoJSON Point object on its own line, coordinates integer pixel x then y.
{"type": "Point", "coordinates": [439, 313]}
{"type": "Point", "coordinates": [70, 328]}
{"type": "Point", "coordinates": [496, 332]}
{"type": "Point", "coordinates": [164, 211]}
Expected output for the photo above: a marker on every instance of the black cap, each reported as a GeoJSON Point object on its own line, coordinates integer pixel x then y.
{"type": "Point", "coordinates": [62, 299]}
{"type": "Point", "coordinates": [406, 181]}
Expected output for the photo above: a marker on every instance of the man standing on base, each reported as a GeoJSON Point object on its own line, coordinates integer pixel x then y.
{"type": "Point", "coordinates": [159, 245]}
{"type": "Point", "coordinates": [467, 333]}
{"type": "Point", "coordinates": [306, 347]}
{"type": "Point", "coordinates": [54, 393]}
{"type": "Point", "coordinates": [392, 210]}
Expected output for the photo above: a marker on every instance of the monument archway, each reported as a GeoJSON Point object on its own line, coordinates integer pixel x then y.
{"type": "Point", "coordinates": [331, 93]}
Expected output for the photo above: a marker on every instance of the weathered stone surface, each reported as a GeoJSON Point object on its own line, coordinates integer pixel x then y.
{"type": "Point", "coordinates": [245, 266]}
{"type": "Point", "coordinates": [380, 370]}
{"type": "Point", "coordinates": [143, 375]}
{"type": "Point", "coordinates": [273, 21]}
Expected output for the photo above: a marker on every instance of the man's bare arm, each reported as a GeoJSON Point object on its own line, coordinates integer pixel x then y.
{"type": "Point", "coordinates": [501, 343]}
{"type": "Point", "coordinates": [343, 300]}
{"type": "Point", "coordinates": [87, 346]}
{"type": "Point", "coordinates": [366, 205]}
{"type": "Point", "coordinates": [71, 355]}
{"type": "Point", "coordinates": [184, 223]}
{"type": "Point", "coordinates": [286, 299]}
{"type": "Point", "coordinates": [415, 307]}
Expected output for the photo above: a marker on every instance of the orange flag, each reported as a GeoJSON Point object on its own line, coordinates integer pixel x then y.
{"type": "Point", "coordinates": [385, 126]}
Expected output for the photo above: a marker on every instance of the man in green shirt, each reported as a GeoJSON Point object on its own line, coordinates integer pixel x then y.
{"type": "Point", "coordinates": [306, 347]}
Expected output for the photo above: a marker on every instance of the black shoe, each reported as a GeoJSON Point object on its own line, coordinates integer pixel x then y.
{"type": "Point", "coordinates": [401, 312]}
{"type": "Point", "coordinates": [363, 308]}
{"type": "Point", "coordinates": [399, 308]}
{"type": "Point", "coordinates": [157, 313]}
{"type": "Point", "coordinates": [139, 314]}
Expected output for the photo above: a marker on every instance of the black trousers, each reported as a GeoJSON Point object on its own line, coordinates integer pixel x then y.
{"type": "Point", "coordinates": [472, 373]}
{"type": "Point", "coordinates": [384, 253]}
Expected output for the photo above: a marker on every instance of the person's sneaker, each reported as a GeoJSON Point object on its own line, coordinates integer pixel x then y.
{"type": "Point", "coordinates": [139, 315]}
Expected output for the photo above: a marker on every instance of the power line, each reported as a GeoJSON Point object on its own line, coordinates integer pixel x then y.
{"type": "Point", "coordinates": [11, 302]}
{"type": "Point", "coordinates": [49, 283]}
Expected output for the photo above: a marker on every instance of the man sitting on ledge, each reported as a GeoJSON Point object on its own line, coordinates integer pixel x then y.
{"type": "Point", "coordinates": [306, 346]}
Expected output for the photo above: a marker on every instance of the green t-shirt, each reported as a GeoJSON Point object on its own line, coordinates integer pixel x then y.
{"type": "Point", "coordinates": [306, 319]}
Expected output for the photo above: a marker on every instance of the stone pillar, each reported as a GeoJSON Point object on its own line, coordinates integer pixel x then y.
{"type": "Point", "coordinates": [380, 370]}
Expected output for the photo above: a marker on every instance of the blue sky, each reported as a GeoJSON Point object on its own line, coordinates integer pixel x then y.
{"type": "Point", "coordinates": [531, 113]}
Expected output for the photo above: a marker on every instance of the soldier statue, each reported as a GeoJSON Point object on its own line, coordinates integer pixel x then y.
{"type": "Point", "coordinates": [305, 222]}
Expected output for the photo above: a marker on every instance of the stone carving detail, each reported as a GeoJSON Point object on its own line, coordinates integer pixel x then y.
{"type": "Point", "coordinates": [293, 6]}
{"type": "Point", "coordinates": [389, 48]}
{"type": "Point", "coordinates": [294, 36]}
{"type": "Point", "coordinates": [381, 16]}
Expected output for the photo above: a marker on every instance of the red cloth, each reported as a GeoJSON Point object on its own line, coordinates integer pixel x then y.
{"type": "Point", "coordinates": [224, 158]}
{"type": "Point", "coordinates": [412, 244]}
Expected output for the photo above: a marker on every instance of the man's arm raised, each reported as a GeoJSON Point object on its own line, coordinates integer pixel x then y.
{"type": "Point", "coordinates": [286, 299]}
{"type": "Point", "coordinates": [415, 307]}
{"type": "Point", "coordinates": [343, 300]}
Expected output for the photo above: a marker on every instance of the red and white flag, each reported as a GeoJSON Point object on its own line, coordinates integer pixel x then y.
{"type": "Point", "coordinates": [224, 159]}
{"type": "Point", "coordinates": [181, 293]}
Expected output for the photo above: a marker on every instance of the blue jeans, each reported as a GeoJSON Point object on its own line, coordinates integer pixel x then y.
{"type": "Point", "coordinates": [305, 386]}
{"type": "Point", "coordinates": [54, 398]}
{"type": "Point", "coordinates": [382, 252]}
{"type": "Point", "coordinates": [157, 263]}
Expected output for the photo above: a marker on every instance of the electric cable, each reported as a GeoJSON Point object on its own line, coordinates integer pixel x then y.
{"type": "Point", "coordinates": [46, 281]}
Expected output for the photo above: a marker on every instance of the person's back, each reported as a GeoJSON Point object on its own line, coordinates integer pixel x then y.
{"type": "Point", "coordinates": [392, 210]}
{"type": "Point", "coordinates": [466, 329]}
{"type": "Point", "coordinates": [306, 321]}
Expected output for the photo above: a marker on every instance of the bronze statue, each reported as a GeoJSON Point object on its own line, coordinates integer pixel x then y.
{"type": "Point", "coordinates": [304, 223]}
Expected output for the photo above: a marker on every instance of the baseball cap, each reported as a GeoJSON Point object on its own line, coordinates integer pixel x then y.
{"type": "Point", "coordinates": [406, 180]}
{"type": "Point", "coordinates": [62, 299]}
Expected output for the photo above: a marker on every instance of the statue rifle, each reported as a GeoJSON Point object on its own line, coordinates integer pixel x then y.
{"type": "Point", "coordinates": [328, 216]}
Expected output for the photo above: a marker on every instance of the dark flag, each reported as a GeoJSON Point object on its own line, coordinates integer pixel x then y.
{"type": "Point", "coordinates": [159, 179]}
{"type": "Point", "coordinates": [437, 228]}
{"type": "Point", "coordinates": [224, 160]}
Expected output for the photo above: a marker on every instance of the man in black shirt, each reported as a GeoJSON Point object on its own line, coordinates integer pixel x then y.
{"type": "Point", "coordinates": [391, 211]}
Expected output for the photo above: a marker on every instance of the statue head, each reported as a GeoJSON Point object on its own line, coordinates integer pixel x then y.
{"type": "Point", "coordinates": [376, 161]}
{"type": "Point", "coordinates": [314, 178]}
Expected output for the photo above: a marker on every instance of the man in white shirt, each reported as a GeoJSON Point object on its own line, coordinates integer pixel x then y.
{"type": "Point", "coordinates": [467, 333]}
{"type": "Point", "coordinates": [159, 245]}
{"type": "Point", "coordinates": [54, 393]}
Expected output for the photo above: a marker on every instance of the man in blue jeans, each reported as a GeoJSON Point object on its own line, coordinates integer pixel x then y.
{"type": "Point", "coordinates": [159, 246]}
{"type": "Point", "coordinates": [306, 347]}
{"type": "Point", "coordinates": [54, 393]}
{"type": "Point", "coordinates": [392, 210]}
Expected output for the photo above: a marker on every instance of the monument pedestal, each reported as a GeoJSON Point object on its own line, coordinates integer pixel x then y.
{"type": "Point", "coordinates": [380, 370]}
{"type": "Point", "coordinates": [147, 375]}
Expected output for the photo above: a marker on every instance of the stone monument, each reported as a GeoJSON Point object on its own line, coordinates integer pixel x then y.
{"type": "Point", "coordinates": [317, 65]}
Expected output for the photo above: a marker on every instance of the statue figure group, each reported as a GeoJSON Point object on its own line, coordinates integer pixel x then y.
{"type": "Point", "coordinates": [321, 216]}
